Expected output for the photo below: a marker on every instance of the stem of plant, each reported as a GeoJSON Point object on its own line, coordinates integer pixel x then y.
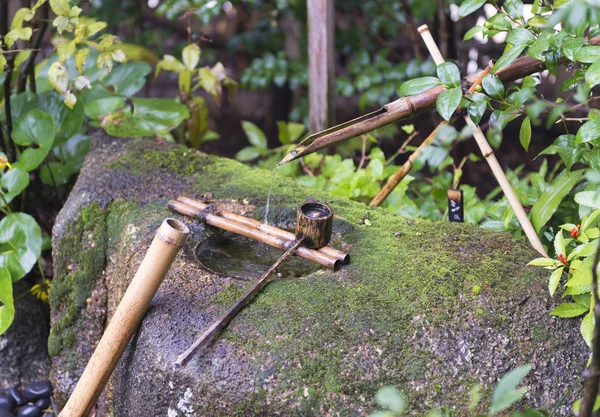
{"type": "Point", "coordinates": [29, 68]}
{"type": "Point", "coordinates": [592, 374]}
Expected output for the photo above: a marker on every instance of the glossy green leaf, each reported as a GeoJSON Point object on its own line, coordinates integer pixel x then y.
{"type": "Point", "coordinates": [583, 250]}
{"type": "Point", "coordinates": [508, 57]}
{"type": "Point", "coordinates": [469, 6]}
{"type": "Point", "coordinates": [255, 136]}
{"type": "Point", "coordinates": [20, 244]}
{"type": "Point", "coordinates": [550, 199]}
{"type": "Point", "coordinates": [191, 56]}
{"type": "Point", "coordinates": [588, 198]}
{"type": "Point", "coordinates": [249, 153]}
{"type": "Point", "coordinates": [588, 132]}
{"type": "Point", "coordinates": [525, 133]}
{"type": "Point", "coordinates": [12, 183]}
{"type": "Point", "coordinates": [520, 36]}
{"type": "Point", "coordinates": [418, 85]}
{"type": "Point", "coordinates": [448, 74]}
{"type": "Point", "coordinates": [506, 392]}
{"type": "Point", "coordinates": [571, 46]}
{"type": "Point", "coordinates": [587, 331]}
{"type": "Point", "coordinates": [545, 262]}
{"type": "Point", "coordinates": [448, 101]}
{"type": "Point", "coordinates": [588, 54]}
{"type": "Point", "coordinates": [34, 128]}
{"type": "Point", "coordinates": [129, 78]}
{"type": "Point", "coordinates": [559, 243]}
{"type": "Point", "coordinates": [97, 108]}
{"type": "Point", "coordinates": [569, 310]}
{"type": "Point", "coordinates": [514, 8]}
{"type": "Point", "coordinates": [472, 32]}
{"type": "Point", "coordinates": [7, 309]}
{"type": "Point", "coordinates": [555, 280]}
{"type": "Point", "coordinates": [493, 86]}
{"type": "Point", "coordinates": [592, 75]}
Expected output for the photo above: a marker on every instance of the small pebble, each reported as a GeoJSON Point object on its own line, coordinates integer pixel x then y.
{"type": "Point", "coordinates": [16, 395]}
{"type": "Point", "coordinates": [43, 403]}
{"type": "Point", "coordinates": [37, 389]}
{"type": "Point", "coordinates": [4, 413]}
{"type": "Point", "coordinates": [7, 402]}
{"type": "Point", "coordinates": [29, 411]}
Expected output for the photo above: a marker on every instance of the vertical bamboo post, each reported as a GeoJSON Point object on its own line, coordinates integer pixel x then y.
{"type": "Point", "coordinates": [489, 156]}
{"type": "Point", "coordinates": [321, 86]}
{"type": "Point", "coordinates": [166, 244]}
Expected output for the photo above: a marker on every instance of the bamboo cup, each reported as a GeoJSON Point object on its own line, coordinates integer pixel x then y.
{"type": "Point", "coordinates": [234, 226]}
{"type": "Point", "coordinates": [489, 156]}
{"type": "Point", "coordinates": [343, 257]}
{"type": "Point", "coordinates": [166, 244]}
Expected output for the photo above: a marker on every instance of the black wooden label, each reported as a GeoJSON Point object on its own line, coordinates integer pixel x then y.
{"type": "Point", "coordinates": [455, 206]}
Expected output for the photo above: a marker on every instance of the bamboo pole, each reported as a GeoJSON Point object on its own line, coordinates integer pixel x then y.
{"type": "Point", "coordinates": [166, 244]}
{"type": "Point", "coordinates": [395, 179]}
{"type": "Point", "coordinates": [258, 235]}
{"type": "Point", "coordinates": [403, 108]}
{"type": "Point", "coordinates": [489, 156]}
{"type": "Point", "coordinates": [241, 302]}
{"type": "Point", "coordinates": [343, 257]}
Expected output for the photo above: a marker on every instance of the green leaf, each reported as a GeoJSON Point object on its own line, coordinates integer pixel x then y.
{"type": "Point", "coordinates": [583, 250]}
{"type": "Point", "coordinates": [508, 57]}
{"type": "Point", "coordinates": [7, 309]}
{"type": "Point", "coordinates": [248, 154]}
{"type": "Point", "coordinates": [520, 36]}
{"type": "Point", "coordinates": [506, 392]}
{"type": "Point", "coordinates": [472, 32]}
{"type": "Point", "coordinates": [569, 310]}
{"type": "Point", "coordinates": [13, 182]}
{"type": "Point", "coordinates": [545, 262]}
{"type": "Point", "coordinates": [588, 198]}
{"type": "Point", "coordinates": [34, 128]}
{"type": "Point", "coordinates": [60, 7]}
{"type": "Point", "coordinates": [469, 6]}
{"type": "Point", "coordinates": [255, 136]}
{"type": "Point", "coordinates": [587, 331]}
{"type": "Point", "coordinates": [149, 116]}
{"type": "Point", "coordinates": [475, 396]}
{"type": "Point", "coordinates": [448, 101]}
{"type": "Point", "coordinates": [20, 244]}
{"type": "Point", "coordinates": [550, 199]}
{"type": "Point", "coordinates": [66, 121]}
{"type": "Point", "coordinates": [555, 279]}
{"type": "Point", "coordinates": [525, 133]}
{"type": "Point", "coordinates": [129, 78]}
{"type": "Point", "coordinates": [571, 46]}
{"type": "Point", "coordinates": [514, 8]}
{"type": "Point", "coordinates": [390, 398]}
{"type": "Point", "coordinates": [592, 75]}
{"type": "Point", "coordinates": [559, 243]}
{"type": "Point", "coordinates": [97, 108]}
{"type": "Point", "coordinates": [418, 85]}
{"type": "Point", "coordinates": [295, 130]}
{"type": "Point", "coordinates": [449, 74]}
{"type": "Point", "coordinates": [191, 56]}
{"type": "Point", "coordinates": [588, 132]}
{"type": "Point", "coordinates": [588, 54]}
{"type": "Point", "coordinates": [493, 86]}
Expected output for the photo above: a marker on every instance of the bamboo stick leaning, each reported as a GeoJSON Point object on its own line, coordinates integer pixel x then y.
{"type": "Point", "coordinates": [489, 156]}
{"type": "Point", "coordinates": [241, 302]}
{"type": "Point", "coordinates": [232, 225]}
{"type": "Point", "coordinates": [395, 179]}
{"type": "Point", "coordinates": [167, 242]}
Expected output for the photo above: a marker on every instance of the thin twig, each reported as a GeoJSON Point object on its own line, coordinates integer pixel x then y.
{"type": "Point", "coordinates": [591, 383]}
{"type": "Point", "coordinates": [29, 68]}
{"type": "Point", "coordinates": [363, 155]}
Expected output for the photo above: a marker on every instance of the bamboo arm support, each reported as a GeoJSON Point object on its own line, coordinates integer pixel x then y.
{"type": "Point", "coordinates": [169, 239]}
{"type": "Point", "coordinates": [343, 257]}
{"type": "Point", "coordinates": [241, 302]}
{"type": "Point", "coordinates": [232, 225]}
{"type": "Point", "coordinates": [489, 156]}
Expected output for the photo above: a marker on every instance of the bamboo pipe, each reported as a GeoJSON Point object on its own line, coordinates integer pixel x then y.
{"type": "Point", "coordinates": [166, 244]}
{"type": "Point", "coordinates": [343, 257]}
{"type": "Point", "coordinates": [489, 156]}
{"type": "Point", "coordinates": [395, 179]}
{"type": "Point", "coordinates": [235, 227]}
{"type": "Point", "coordinates": [241, 302]}
{"type": "Point", "coordinates": [403, 108]}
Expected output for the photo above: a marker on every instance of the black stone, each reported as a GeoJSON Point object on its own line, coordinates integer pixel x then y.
{"type": "Point", "coordinates": [37, 389]}
{"type": "Point", "coordinates": [43, 403]}
{"type": "Point", "coordinates": [4, 413]}
{"type": "Point", "coordinates": [29, 411]}
{"type": "Point", "coordinates": [16, 396]}
{"type": "Point", "coordinates": [7, 402]}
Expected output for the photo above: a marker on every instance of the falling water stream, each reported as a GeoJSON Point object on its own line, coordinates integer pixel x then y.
{"type": "Point", "coordinates": [269, 195]}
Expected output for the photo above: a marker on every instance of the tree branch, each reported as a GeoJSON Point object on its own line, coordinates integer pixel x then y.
{"type": "Point", "coordinates": [592, 374]}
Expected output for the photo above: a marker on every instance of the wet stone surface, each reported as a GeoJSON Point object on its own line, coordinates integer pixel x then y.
{"type": "Point", "coordinates": [404, 312]}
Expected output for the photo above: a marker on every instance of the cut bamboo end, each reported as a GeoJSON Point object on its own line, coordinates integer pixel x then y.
{"type": "Point", "coordinates": [167, 242]}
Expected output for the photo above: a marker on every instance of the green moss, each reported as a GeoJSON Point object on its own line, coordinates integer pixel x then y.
{"type": "Point", "coordinates": [77, 272]}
